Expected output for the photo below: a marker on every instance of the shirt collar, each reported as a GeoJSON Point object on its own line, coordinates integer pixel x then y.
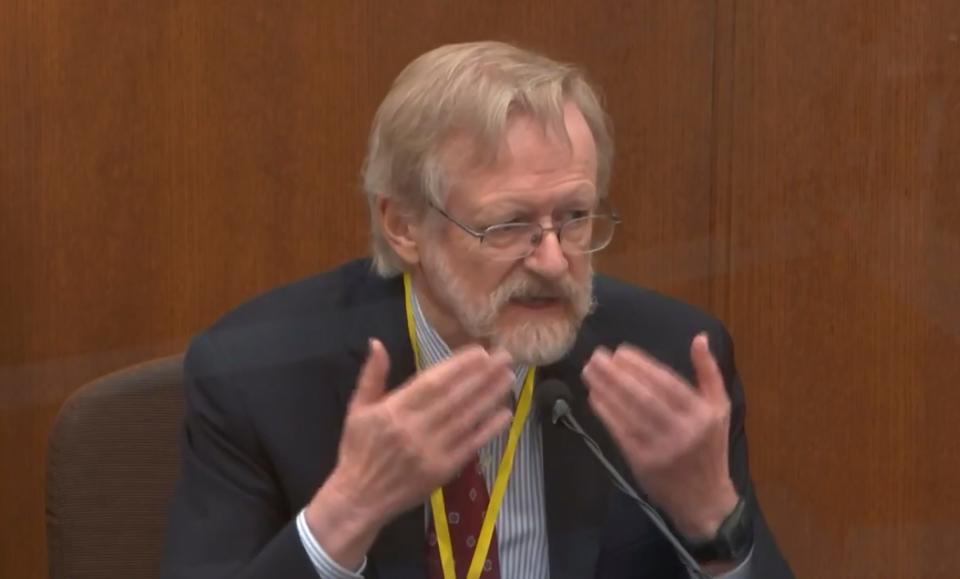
{"type": "Point", "coordinates": [434, 350]}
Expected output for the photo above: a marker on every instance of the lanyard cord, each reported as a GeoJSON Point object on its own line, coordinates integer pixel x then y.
{"type": "Point", "coordinates": [503, 473]}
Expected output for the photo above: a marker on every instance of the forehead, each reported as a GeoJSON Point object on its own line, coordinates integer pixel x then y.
{"type": "Point", "coordinates": [531, 159]}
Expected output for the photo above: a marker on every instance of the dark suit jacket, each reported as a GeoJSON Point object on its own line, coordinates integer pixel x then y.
{"type": "Point", "coordinates": [266, 390]}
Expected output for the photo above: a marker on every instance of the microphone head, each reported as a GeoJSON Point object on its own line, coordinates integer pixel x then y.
{"type": "Point", "coordinates": [553, 399]}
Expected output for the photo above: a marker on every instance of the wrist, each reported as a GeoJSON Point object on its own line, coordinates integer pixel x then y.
{"type": "Point", "coordinates": [343, 524]}
{"type": "Point", "coordinates": [704, 522]}
{"type": "Point", "coordinates": [731, 544]}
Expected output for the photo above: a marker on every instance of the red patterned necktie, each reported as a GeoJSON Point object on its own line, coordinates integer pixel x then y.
{"type": "Point", "coordinates": [466, 500]}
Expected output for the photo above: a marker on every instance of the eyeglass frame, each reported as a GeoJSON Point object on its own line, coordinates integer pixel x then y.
{"type": "Point", "coordinates": [557, 229]}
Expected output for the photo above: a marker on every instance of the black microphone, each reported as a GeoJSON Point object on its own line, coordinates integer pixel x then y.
{"type": "Point", "coordinates": [554, 399]}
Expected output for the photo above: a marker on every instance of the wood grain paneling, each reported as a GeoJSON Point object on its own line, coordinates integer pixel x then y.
{"type": "Point", "coordinates": [790, 165]}
{"type": "Point", "coordinates": [843, 286]}
{"type": "Point", "coordinates": [160, 162]}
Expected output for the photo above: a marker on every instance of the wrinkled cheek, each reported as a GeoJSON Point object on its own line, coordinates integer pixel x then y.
{"type": "Point", "coordinates": [580, 267]}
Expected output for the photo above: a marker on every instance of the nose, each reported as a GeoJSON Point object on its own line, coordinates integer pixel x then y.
{"type": "Point", "coordinates": [548, 259]}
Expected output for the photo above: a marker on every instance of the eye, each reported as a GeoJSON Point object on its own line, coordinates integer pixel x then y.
{"type": "Point", "coordinates": [574, 214]}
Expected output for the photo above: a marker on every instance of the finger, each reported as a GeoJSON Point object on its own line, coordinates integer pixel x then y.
{"type": "Point", "coordinates": [673, 389]}
{"type": "Point", "coordinates": [709, 377]}
{"type": "Point", "coordinates": [472, 399]}
{"type": "Point", "coordinates": [600, 351]}
{"type": "Point", "coordinates": [465, 448]}
{"type": "Point", "coordinates": [610, 416]}
{"type": "Point", "coordinates": [466, 402]}
{"type": "Point", "coordinates": [373, 375]}
{"type": "Point", "coordinates": [630, 400]}
{"type": "Point", "coordinates": [433, 383]}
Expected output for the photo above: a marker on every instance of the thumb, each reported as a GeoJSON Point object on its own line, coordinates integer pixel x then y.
{"type": "Point", "coordinates": [709, 377]}
{"type": "Point", "coordinates": [373, 374]}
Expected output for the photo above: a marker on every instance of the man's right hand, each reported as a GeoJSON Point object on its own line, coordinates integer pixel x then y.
{"type": "Point", "coordinates": [398, 447]}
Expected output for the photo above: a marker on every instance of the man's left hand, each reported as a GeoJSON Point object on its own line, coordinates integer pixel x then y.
{"type": "Point", "coordinates": [675, 437]}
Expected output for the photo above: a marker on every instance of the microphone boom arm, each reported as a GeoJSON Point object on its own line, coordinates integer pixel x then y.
{"type": "Point", "coordinates": [561, 413]}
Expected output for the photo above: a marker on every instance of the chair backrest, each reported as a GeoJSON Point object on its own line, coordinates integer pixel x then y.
{"type": "Point", "coordinates": [111, 467]}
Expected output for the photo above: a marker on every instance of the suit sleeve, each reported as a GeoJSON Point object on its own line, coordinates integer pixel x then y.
{"type": "Point", "coordinates": [227, 516]}
{"type": "Point", "coordinates": [766, 561]}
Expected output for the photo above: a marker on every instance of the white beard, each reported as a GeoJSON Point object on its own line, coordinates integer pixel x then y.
{"type": "Point", "coordinates": [531, 343]}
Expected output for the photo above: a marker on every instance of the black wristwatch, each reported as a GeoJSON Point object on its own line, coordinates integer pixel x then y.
{"type": "Point", "coordinates": [733, 540]}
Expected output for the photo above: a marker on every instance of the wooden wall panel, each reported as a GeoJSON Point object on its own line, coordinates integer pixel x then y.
{"type": "Point", "coordinates": [843, 243]}
{"type": "Point", "coordinates": [160, 162]}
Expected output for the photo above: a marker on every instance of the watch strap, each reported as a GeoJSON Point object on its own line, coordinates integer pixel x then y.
{"type": "Point", "coordinates": [733, 540]}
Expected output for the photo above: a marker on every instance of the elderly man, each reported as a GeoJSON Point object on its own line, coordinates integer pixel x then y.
{"type": "Point", "coordinates": [380, 420]}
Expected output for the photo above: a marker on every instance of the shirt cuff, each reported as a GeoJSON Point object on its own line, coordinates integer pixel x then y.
{"type": "Point", "coordinates": [742, 571]}
{"type": "Point", "coordinates": [326, 567]}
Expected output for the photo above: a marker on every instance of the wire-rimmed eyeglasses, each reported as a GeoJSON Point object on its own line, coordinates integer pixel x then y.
{"type": "Point", "coordinates": [517, 240]}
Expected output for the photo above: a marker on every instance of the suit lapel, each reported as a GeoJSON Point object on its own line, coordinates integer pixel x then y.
{"type": "Point", "coordinates": [382, 316]}
{"type": "Point", "coordinates": [576, 488]}
{"type": "Point", "coordinates": [398, 552]}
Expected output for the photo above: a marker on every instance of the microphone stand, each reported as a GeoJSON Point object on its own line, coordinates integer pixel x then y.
{"type": "Point", "coordinates": [562, 413]}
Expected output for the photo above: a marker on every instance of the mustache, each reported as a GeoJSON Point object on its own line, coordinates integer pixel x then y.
{"type": "Point", "coordinates": [528, 287]}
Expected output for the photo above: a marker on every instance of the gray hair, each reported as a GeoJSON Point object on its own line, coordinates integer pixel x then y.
{"type": "Point", "coordinates": [466, 89]}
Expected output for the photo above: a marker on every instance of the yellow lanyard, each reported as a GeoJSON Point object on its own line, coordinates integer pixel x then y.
{"type": "Point", "coordinates": [503, 473]}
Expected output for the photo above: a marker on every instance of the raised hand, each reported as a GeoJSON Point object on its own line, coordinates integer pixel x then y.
{"type": "Point", "coordinates": [398, 447]}
{"type": "Point", "coordinates": [675, 437]}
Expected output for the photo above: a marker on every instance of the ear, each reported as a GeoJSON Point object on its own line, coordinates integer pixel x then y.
{"type": "Point", "coordinates": [401, 228]}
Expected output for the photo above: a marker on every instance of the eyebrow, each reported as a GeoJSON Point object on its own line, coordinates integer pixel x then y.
{"type": "Point", "coordinates": [573, 195]}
